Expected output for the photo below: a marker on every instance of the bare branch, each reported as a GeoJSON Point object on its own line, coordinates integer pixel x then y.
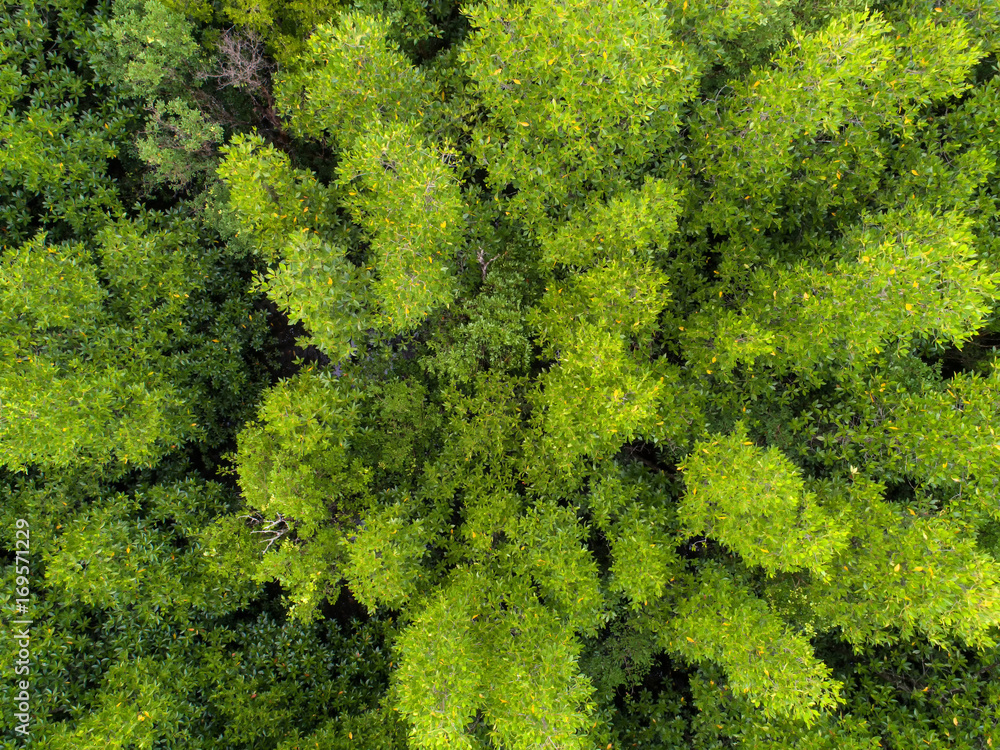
{"type": "Point", "coordinates": [484, 264]}
{"type": "Point", "coordinates": [273, 529]}
{"type": "Point", "coordinates": [242, 63]}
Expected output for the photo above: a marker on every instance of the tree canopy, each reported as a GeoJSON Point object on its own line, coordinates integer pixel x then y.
{"type": "Point", "coordinates": [502, 375]}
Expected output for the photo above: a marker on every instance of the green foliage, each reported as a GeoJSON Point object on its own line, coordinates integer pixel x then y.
{"type": "Point", "coordinates": [632, 224]}
{"type": "Point", "coordinates": [902, 574]}
{"type": "Point", "coordinates": [284, 25]}
{"type": "Point", "coordinates": [57, 127]}
{"type": "Point", "coordinates": [324, 291]}
{"type": "Point", "coordinates": [561, 566]}
{"type": "Point", "coordinates": [349, 80]}
{"type": "Point", "coordinates": [384, 558]}
{"type": "Point", "coordinates": [919, 693]}
{"type": "Point", "coordinates": [442, 671]}
{"type": "Point", "coordinates": [113, 404]}
{"type": "Point", "coordinates": [495, 337]}
{"type": "Point", "coordinates": [179, 142]}
{"type": "Point", "coordinates": [598, 382]}
{"type": "Point", "coordinates": [578, 95]}
{"type": "Point", "coordinates": [270, 199]}
{"type": "Point", "coordinates": [516, 665]}
{"type": "Point", "coordinates": [893, 301]}
{"type": "Point", "coordinates": [145, 47]}
{"type": "Point", "coordinates": [644, 560]}
{"type": "Point", "coordinates": [114, 550]}
{"type": "Point", "coordinates": [762, 656]}
{"type": "Point", "coordinates": [148, 52]}
{"type": "Point", "coordinates": [754, 501]}
{"type": "Point", "coordinates": [847, 82]}
{"type": "Point", "coordinates": [629, 368]}
{"type": "Point", "coordinates": [295, 472]}
{"type": "Point", "coordinates": [293, 462]}
{"type": "Point", "coordinates": [403, 196]}
{"type": "Point", "coordinates": [407, 200]}
{"type": "Point", "coordinates": [725, 716]}
{"type": "Point", "coordinates": [921, 438]}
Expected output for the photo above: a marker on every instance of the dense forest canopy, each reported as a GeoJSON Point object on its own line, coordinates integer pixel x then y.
{"type": "Point", "coordinates": [510, 374]}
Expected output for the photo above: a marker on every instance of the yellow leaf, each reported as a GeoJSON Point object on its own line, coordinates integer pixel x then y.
{"type": "Point", "coordinates": [896, 568]}
{"type": "Point", "coordinates": [915, 172]}
{"type": "Point", "coordinates": [690, 639]}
